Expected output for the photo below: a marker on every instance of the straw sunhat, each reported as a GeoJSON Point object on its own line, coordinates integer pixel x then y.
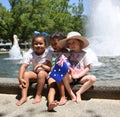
{"type": "Point", "coordinates": [76, 35]}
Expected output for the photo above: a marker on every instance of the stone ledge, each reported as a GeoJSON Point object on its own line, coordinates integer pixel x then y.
{"type": "Point", "coordinates": [101, 89]}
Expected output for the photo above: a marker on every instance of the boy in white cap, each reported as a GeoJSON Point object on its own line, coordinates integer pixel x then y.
{"type": "Point", "coordinates": [80, 61]}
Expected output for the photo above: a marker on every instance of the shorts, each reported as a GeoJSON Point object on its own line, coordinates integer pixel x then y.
{"type": "Point", "coordinates": [75, 81]}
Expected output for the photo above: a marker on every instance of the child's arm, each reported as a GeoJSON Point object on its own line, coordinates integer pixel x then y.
{"type": "Point", "coordinates": [80, 74]}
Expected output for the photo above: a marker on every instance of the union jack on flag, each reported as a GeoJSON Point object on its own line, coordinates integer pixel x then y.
{"type": "Point", "coordinates": [60, 69]}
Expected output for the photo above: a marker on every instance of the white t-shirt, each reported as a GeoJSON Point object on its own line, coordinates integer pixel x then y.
{"type": "Point", "coordinates": [34, 59]}
{"type": "Point", "coordinates": [80, 60]}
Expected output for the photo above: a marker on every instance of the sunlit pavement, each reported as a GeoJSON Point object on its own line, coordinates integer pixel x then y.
{"type": "Point", "coordinates": [87, 108]}
{"type": "Point", "coordinates": [102, 100]}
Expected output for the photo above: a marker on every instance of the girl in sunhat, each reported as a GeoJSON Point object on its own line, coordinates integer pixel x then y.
{"type": "Point", "coordinates": [81, 62]}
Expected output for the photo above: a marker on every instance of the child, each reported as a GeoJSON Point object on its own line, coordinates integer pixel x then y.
{"type": "Point", "coordinates": [41, 61]}
{"type": "Point", "coordinates": [80, 61]}
{"type": "Point", "coordinates": [58, 50]}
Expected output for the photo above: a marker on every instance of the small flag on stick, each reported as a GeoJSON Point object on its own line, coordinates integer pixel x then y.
{"type": "Point", "coordinates": [60, 69]}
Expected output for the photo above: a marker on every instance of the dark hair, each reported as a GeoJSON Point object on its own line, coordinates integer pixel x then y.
{"type": "Point", "coordinates": [37, 36]}
{"type": "Point", "coordinates": [58, 35]}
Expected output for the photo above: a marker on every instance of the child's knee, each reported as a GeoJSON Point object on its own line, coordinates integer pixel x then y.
{"type": "Point", "coordinates": [92, 79]}
{"type": "Point", "coordinates": [26, 75]}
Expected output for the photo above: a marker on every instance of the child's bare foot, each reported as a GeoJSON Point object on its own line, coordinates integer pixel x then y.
{"type": "Point", "coordinates": [37, 99]}
{"type": "Point", "coordinates": [73, 97]}
{"type": "Point", "coordinates": [52, 105]}
{"type": "Point", "coordinates": [78, 100]}
{"type": "Point", "coordinates": [63, 101]}
{"type": "Point", "coordinates": [21, 101]}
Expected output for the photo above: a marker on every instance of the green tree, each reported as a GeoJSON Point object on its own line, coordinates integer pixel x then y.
{"type": "Point", "coordinates": [78, 17]}
{"type": "Point", "coordinates": [5, 23]}
{"type": "Point", "coordinates": [26, 16]}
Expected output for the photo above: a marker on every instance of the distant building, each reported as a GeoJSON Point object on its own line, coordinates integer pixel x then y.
{"type": "Point", "coordinates": [5, 45]}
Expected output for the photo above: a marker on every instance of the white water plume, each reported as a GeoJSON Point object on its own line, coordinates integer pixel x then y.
{"type": "Point", "coordinates": [103, 27]}
{"type": "Point", "coordinates": [15, 52]}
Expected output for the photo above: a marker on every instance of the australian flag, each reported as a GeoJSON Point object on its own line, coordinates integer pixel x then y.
{"type": "Point", "coordinates": [60, 69]}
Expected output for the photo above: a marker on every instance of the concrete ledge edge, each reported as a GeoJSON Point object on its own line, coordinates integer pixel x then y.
{"type": "Point", "coordinates": [101, 89]}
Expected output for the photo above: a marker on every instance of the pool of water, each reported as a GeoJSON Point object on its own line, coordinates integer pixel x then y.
{"type": "Point", "coordinates": [108, 70]}
{"type": "Point", "coordinates": [8, 68]}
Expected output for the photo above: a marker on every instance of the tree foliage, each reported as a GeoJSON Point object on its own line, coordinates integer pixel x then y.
{"type": "Point", "coordinates": [26, 16]}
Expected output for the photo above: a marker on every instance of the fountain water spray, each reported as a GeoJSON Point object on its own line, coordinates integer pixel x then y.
{"type": "Point", "coordinates": [15, 52]}
{"type": "Point", "coordinates": [103, 28]}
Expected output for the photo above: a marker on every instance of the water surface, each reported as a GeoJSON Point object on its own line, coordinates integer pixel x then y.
{"type": "Point", "coordinates": [109, 70]}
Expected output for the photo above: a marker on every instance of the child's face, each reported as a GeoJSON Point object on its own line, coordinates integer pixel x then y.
{"type": "Point", "coordinates": [39, 45]}
{"type": "Point", "coordinates": [56, 45]}
{"type": "Point", "coordinates": [74, 45]}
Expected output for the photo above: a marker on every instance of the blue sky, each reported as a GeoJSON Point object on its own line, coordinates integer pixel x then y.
{"type": "Point", "coordinates": [85, 2]}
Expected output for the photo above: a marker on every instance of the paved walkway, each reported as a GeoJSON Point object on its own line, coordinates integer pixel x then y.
{"type": "Point", "coordinates": [103, 101]}
{"type": "Point", "coordinates": [87, 108]}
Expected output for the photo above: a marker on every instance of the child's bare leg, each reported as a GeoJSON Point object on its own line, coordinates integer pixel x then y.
{"type": "Point", "coordinates": [24, 93]}
{"type": "Point", "coordinates": [27, 77]}
{"type": "Point", "coordinates": [87, 83]}
{"type": "Point", "coordinates": [67, 86]}
{"type": "Point", "coordinates": [51, 95]}
{"type": "Point", "coordinates": [63, 99]}
{"type": "Point", "coordinates": [41, 82]}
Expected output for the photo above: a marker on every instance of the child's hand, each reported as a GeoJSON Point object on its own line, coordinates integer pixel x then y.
{"type": "Point", "coordinates": [75, 73]}
{"type": "Point", "coordinates": [38, 68]}
{"type": "Point", "coordinates": [22, 83]}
